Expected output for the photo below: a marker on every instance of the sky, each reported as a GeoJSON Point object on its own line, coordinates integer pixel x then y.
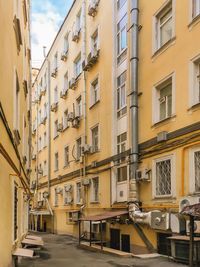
{"type": "Point", "coordinates": [46, 19]}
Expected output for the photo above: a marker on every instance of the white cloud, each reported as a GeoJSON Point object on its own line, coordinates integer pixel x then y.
{"type": "Point", "coordinates": [43, 31]}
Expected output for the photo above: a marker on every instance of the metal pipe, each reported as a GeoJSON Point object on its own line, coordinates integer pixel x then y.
{"type": "Point", "coordinates": [49, 126]}
{"type": "Point", "coordinates": [134, 98]}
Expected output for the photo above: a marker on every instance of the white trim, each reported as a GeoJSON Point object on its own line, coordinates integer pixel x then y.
{"type": "Point", "coordinates": [191, 173]}
{"type": "Point", "coordinates": [173, 175]}
{"type": "Point", "coordinates": [92, 128]}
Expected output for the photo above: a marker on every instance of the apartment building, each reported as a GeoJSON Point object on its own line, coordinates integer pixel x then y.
{"type": "Point", "coordinates": [117, 133]}
{"type": "Point", "coordinates": [14, 124]}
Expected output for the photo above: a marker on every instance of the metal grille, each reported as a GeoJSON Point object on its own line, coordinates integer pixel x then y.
{"type": "Point", "coordinates": [197, 170]}
{"type": "Point", "coordinates": [163, 177]}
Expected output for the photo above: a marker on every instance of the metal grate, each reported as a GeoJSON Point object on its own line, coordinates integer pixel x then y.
{"type": "Point", "coordinates": [163, 177]}
{"type": "Point", "coordinates": [197, 170]}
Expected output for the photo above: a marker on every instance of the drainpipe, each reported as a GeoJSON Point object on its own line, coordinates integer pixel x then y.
{"type": "Point", "coordinates": [49, 129]}
{"type": "Point", "coordinates": [84, 99]}
{"type": "Point", "coordinates": [133, 194]}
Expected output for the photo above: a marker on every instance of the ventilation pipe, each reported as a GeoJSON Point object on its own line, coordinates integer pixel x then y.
{"type": "Point", "coordinates": [49, 129]}
{"type": "Point", "coordinates": [133, 192]}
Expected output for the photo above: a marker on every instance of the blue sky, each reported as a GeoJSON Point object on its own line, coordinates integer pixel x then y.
{"type": "Point", "coordinates": [46, 18]}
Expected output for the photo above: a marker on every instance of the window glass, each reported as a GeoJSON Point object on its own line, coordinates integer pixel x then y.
{"type": "Point", "coordinates": [163, 177]}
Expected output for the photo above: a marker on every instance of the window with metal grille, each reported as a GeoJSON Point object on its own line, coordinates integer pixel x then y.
{"type": "Point", "coordinates": [121, 95]}
{"type": "Point", "coordinates": [163, 178]}
{"type": "Point", "coordinates": [95, 189]}
{"type": "Point", "coordinates": [197, 170]}
{"type": "Point", "coordinates": [15, 211]}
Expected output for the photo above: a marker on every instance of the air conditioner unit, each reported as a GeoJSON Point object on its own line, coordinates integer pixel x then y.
{"type": "Point", "coordinates": [43, 121]}
{"type": "Point", "coordinates": [16, 137]}
{"type": "Point", "coordinates": [60, 127]}
{"type": "Point", "coordinates": [92, 9]}
{"type": "Point", "coordinates": [93, 149]}
{"type": "Point", "coordinates": [54, 72]}
{"type": "Point", "coordinates": [70, 116]}
{"type": "Point", "coordinates": [68, 188]}
{"type": "Point", "coordinates": [54, 107]}
{"type": "Point", "coordinates": [40, 171]}
{"type": "Point", "coordinates": [85, 65]}
{"type": "Point", "coordinates": [143, 174]}
{"type": "Point", "coordinates": [59, 190]}
{"type": "Point", "coordinates": [63, 93]}
{"type": "Point", "coordinates": [74, 216]}
{"type": "Point", "coordinates": [33, 185]}
{"type": "Point", "coordinates": [34, 157]}
{"type": "Point", "coordinates": [75, 123]}
{"type": "Point", "coordinates": [64, 55]}
{"type": "Point", "coordinates": [187, 201]}
{"type": "Point", "coordinates": [177, 223]}
{"type": "Point", "coordinates": [159, 220]}
{"type": "Point", "coordinates": [33, 131]}
{"type": "Point", "coordinates": [69, 200]}
{"type": "Point", "coordinates": [196, 227]}
{"type": "Point", "coordinates": [85, 181]}
{"type": "Point", "coordinates": [75, 35]}
{"type": "Point", "coordinates": [72, 83]}
{"type": "Point", "coordinates": [40, 203]}
{"type": "Point", "coordinates": [85, 148]}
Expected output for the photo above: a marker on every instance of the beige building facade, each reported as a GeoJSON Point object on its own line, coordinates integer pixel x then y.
{"type": "Point", "coordinates": [114, 125]}
{"type": "Point", "coordinates": [15, 112]}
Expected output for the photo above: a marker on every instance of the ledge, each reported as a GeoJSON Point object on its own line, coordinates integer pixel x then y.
{"type": "Point", "coordinates": [194, 107]}
{"type": "Point", "coordinates": [163, 48]}
{"type": "Point", "coordinates": [194, 21]}
{"type": "Point", "coordinates": [94, 104]}
{"type": "Point", "coordinates": [159, 123]}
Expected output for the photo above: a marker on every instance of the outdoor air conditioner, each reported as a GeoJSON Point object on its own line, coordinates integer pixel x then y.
{"type": "Point", "coordinates": [43, 121]}
{"type": "Point", "coordinates": [40, 171]}
{"type": "Point", "coordinates": [60, 127]}
{"type": "Point", "coordinates": [143, 174]}
{"type": "Point", "coordinates": [75, 123]}
{"type": "Point", "coordinates": [69, 200]}
{"type": "Point", "coordinates": [64, 55]}
{"type": "Point", "coordinates": [72, 83]}
{"type": "Point", "coordinates": [63, 93]}
{"type": "Point", "coordinates": [59, 190]}
{"type": "Point", "coordinates": [85, 181]}
{"type": "Point", "coordinates": [196, 227]}
{"type": "Point", "coordinates": [54, 107]}
{"type": "Point", "coordinates": [54, 72]}
{"type": "Point", "coordinates": [75, 35]}
{"type": "Point", "coordinates": [34, 157]}
{"type": "Point", "coordinates": [70, 116]}
{"type": "Point", "coordinates": [177, 223]}
{"type": "Point", "coordinates": [93, 149]}
{"type": "Point", "coordinates": [187, 201]}
{"type": "Point", "coordinates": [159, 220]}
{"type": "Point", "coordinates": [68, 188]}
{"type": "Point", "coordinates": [85, 148]}
{"type": "Point", "coordinates": [74, 216]}
{"type": "Point", "coordinates": [92, 8]}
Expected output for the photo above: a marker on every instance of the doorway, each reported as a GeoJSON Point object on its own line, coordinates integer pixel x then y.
{"type": "Point", "coordinates": [126, 243]}
{"type": "Point", "coordinates": [115, 238]}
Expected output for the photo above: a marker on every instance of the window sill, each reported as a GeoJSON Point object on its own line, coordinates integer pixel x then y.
{"type": "Point", "coordinates": [163, 48]}
{"type": "Point", "coordinates": [94, 104]}
{"type": "Point", "coordinates": [66, 166]}
{"type": "Point", "coordinates": [55, 136]}
{"type": "Point", "coordinates": [163, 122]}
{"type": "Point", "coordinates": [194, 21]}
{"type": "Point", "coordinates": [194, 107]}
{"type": "Point", "coordinates": [166, 198]}
{"type": "Point", "coordinates": [64, 129]}
{"type": "Point", "coordinates": [55, 170]}
{"type": "Point", "coordinates": [94, 202]}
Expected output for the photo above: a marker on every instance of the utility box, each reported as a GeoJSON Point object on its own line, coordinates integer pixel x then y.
{"type": "Point", "coordinates": [177, 223]}
{"type": "Point", "coordinates": [159, 220]}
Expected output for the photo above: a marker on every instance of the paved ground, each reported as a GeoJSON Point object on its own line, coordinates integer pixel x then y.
{"type": "Point", "coordinates": [62, 251]}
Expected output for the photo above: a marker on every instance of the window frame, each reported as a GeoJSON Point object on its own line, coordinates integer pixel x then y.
{"type": "Point", "coordinates": [66, 162]}
{"type": "Point", "coordinates": [77, 67]}
{"type": "Point", "coordinates": [93, 197]}
{"type": "Point", "coordinates": [191, 172]}
{"type": "Point", "coordinates": [78, 192]}
{"type": "Point", "coordinates": [94, 92]}
{"type": "Point", "coordinates": [121, 110]}
{"type": "Point", "coordinates": [119, 33]}
{"type": "Point", "coordinates": [56, 161]}
{"type": "Point", "coordinates": [78, 148]}
{"type": "Point", "coordinates": [97, 148]}
{"type": "Point", "coordinates": [194, 85]}
{"type": "Point", "coordinates": [55, 131]}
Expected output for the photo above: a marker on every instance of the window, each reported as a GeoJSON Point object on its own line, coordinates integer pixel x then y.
{"type": "Point", "coordinates": [95, 41]}
{"type": "Point", "coordinates": [66, 156]}
{"type": "Point", "coordinates": [56, 95]}
{"type": "Point", "coordinates": [120, 3]}
{"type": "Point", "coordinates": [122, 174]}
{"type": "Point", "coordinates": [78, 148]}
{"type": "Point", "coordinates": [56, 161]}
{"type": "Point", "coordinates": [45, 139]}
{"type": "Point", "coordinates": [194, 169]}
{"type": "Point", "coordinates": [194, 84]}
{"type": "Point", "coordinates": [121, 143]}
{"type": "Point", "coordinates": [45, 168]}
{"type": "Point", "coordinates": [65, 119]}
{"type": "Point", "coordinates": [40, 116]}
{"type": "Point", "coordinates": [66, 43]}
{"type": "Point", "coordinates": [78, 193]}
{"type": "Point", "coordinates": [121, 37]}
{"type": "Point", "coordinates": [78, 107]}
{"type": "Point", "coordinates": [163, 99]}
{"type": "Point", "coordinates": [121, 95]}
{"type": "Point", "coordinates": [40, 170]}
{"type": "Point", "coordinates": [67, 196]}
{"type": "Point", "coordinates": [55, 62]}
{"type": "Point", "coordinates": [77, 66]}
{"type": "Point", "coordinates": [164, 25]}
{"type": "Point", "coordinates": [45, 82]}
{"type": "Point", "coordinates": [66, 82]}
{"type": "Point", "coordinates": [55, 198]}
{"type": "Point", "coordinates": [95, 189]}
{"type": "Point", "coordinates": [95, 91]}
{"type": "Point", "coordinates": [197, 170]}
{"type": "Point", "coordinates": [45, 111]}
{"type": "Point", "coordinates": [163, 177]}
{"type": "Point", "coordinates": [195, 8]}
{"type": "Point", "coordinates": [55, 128]}
{"type": "Point", "coordinates": [17, 103]}
{"type": "Point", "coordinates": [40, 143]}
{"type": "Point", "coordinates": [78, 21]}
{"type": "Point", "coordinates": [95, 139]}
{"type": "Point", "coordinates": [15, 212]}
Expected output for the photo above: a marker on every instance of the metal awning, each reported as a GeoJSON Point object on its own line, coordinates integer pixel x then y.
{"type": "Point", "coordinates": [40, 212]}
{"type": "Point", "coordinates": [104, 216]}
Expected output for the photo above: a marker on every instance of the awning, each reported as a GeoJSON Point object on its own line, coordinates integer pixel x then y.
{"type": "Point", "coordinates": [23, 252]}
{"type": "Point", "coordinates": [104, 216]}
{"type": "Point", "coordinates": [40, 212]}
{"type": "Point", "coordinates": [192, 210]}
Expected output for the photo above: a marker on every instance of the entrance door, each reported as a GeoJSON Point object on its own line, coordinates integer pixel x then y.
{"type": "Point", "coordinates": [126, 243]}
{"type": "Point", "coordinates": [115, 238]}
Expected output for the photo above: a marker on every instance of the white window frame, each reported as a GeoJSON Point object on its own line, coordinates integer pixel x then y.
{"type": "Point", "coordinates": [195, 9]}
{"type": "Point", "coordinates": [66, 81]}
{"type": "Point", "coordinates": [191, 173]}
{"type": "Point", "coordinates": [45, 139]}
{"type": "Point", "coordinates": [95, 34]}
{"type": "Point", "coordinates": [92, 137]}
{"type": "Point", "coordinates": [55, 131]}
{"type": "Point", "coordinates": [94, 91]}
{"type": "Point", "coordinates": [156, 96]}
{"type": "Point", "coordinates": [65, 120]}
{"type": "Point", "coordinates": [55, 199]}
{"type": "Point", "coordinates": [170, 157]}
{"type": "Point", "coordinates": [78, 106]}
{"type": "Point", "coordinates": [56, 161]}
{"type": "Point", "coordinates": [77, 67]}
{"type": "Point", "coordinates": [194, 90]}
{"type": "Point", "coordinates": [66, 163]}
{"type": "Point", "coordinates": [78, 21]}
{"type": "Point", "coordinates": [120, 109]}
{"type": "Point", "coordinates": [39, 144]}
{"type": "Point", "coordinates": [66, 42]}
{"type": "Point", "coordinates": [78, 148]}
{"type": "Point", "coordinates": [93, 198]}
{"type": "Point", "coordinates": [55, 62]}
{"type": "Point", "coordinates": [119, 33]}
{"type": "Point", "coordinates": [78, 193]}
{"type": "Point", "coordinates": [55, 92]}
{"type": "Point", "coordinates": [45, 168]}
{"type": "Point", "coordinates": [155, 24]}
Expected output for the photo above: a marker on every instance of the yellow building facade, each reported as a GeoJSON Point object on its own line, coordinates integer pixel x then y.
{"type": "Point", "coordinates": [15, 162]}
{"type": "Point", "coordinates": [92, 153]}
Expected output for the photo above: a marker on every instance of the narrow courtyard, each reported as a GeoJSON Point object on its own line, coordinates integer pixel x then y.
{"type": "Point", "coordinates": [63, 251]}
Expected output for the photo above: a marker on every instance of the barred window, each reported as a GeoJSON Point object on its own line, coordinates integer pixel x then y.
{"type": "Point", "coordinates": [197, 170]}
{"type": "Point", "coordinates": [163, 178]}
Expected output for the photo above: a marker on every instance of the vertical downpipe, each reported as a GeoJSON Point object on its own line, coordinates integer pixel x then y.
{"type": "Point", "coordinates": [48, 130]}
{"type": "Point", "coordinates": [133, 192]}
{"type": "Point", "coordinates": [84, 99]}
